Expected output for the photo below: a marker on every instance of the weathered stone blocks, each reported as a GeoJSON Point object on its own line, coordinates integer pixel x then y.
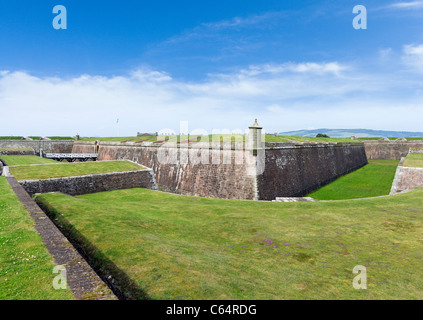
{"type": "Point", "coordinates": [289, 170]}
{"type": "Point", "coordinates": [92, 183]}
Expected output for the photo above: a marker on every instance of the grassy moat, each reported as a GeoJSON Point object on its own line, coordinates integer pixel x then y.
{"type": "Point", "coordinates": [372, 180]}
{"type": "Point", "coordinates": [181, 247]}
{"type": "Point", "coordinates": [165, 246]}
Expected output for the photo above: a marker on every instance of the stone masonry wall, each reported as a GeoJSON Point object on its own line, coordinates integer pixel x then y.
{"type": "Point", "coordinates": [229, 181]}
{"type": "Point", "coordinates": [406, 179]}
{"type": "Point", "coordinates": [390, 150]}
{"type": "Point", "coordinates": [289, 170]}
{"type": "Point", "coordinates": [48, 146]}
{"type": "Point", "coordinates": [295, 171]}
{"type": "Point", "coordinates": [92, 183]}
{"type": "Point", "coordinates": [16, 152]}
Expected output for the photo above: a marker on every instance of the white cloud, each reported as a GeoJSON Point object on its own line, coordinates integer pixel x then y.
{"type": "Point", "coordinates": [245, 21]}
{"type": "Point", "coordinates": [406, 5]}
{"type": "Point", "coordinates": [413, 57]}
{"type": "Point", "coordinates": [307, 67]}
{"type": "Point", "coordinates": [385, 54]}
{"type": "Point", "coordinates": [284, 97]}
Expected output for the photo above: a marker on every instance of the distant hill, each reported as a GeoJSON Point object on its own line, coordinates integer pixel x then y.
{"type": "Point", "coordinates": [358, 133]}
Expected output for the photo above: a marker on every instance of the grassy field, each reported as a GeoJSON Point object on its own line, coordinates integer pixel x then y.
{"type": "Point", "coordinates": [314, 139]}
{"type": "Point", "coordinates": [25, 160]}
{"type": "Point", "coordinates": [26, 267]}
{"type": "Point", "coordinates": [71, 169]}
{"type": "Point", "coordinates": [11, 137]}
{"type": "Point", "coordinates": [414, 160]}
{"type": "Point", "coordinates": [61, 138]}
{"type": "Point", "coordinates": [116, 139]}
{"type": "Point", "coordinates": [374, 179]}
{"type": "Point", "coordinates": [180, 247]}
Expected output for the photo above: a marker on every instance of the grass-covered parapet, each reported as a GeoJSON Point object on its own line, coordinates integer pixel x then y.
{"type": "Point", "coordinates": [61, 170]}
{"type": "Point", "coordinates": [25, 160]}
{"type": "Point", "coordinates": [414, 160]}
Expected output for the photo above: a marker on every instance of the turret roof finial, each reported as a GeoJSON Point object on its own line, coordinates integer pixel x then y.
{"type": "Point", "coordinates": [256, 125]}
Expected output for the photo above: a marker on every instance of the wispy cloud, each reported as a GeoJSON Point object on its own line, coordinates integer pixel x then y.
{"type": "Point", "coordinates": [413, 57]}
{"type": "Point", "coordinates": [406, 5]}
{"type": "Point", "coordinates": [252, 20]}
{"type": "Point", "coordinates": [212, 29]}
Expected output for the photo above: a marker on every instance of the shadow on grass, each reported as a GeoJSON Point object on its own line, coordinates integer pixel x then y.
{"type": "Point", "coordinates": [121, 284]}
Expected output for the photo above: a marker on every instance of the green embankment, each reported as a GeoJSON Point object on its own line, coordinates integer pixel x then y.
{"type": "Point", "coordinates": [71, 169]}
{"type": "Point", "coordinates": [374, 179]}
{"type": "Point", "coordinates": [25, 160]}
{"type": "Point", "coordinates": [414, 160]}
{"type": "Point", "coordinates": [26, 268]}
{"type": "Point", "coordinates": [223, 137]}
{"type": "Point", "coordinates": [180, 247]}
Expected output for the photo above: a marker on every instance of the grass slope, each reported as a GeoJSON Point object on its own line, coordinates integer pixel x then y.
{"type": "Point", "coordinates": [374, 179]}
{"type": "Point", "coordinates": [71, 169]}
{"type": "Point", "coordinates": [25, 160]}
{"type": "Point", "coordinates": [414, 160]}
{"type": "Point", "coordinates": [180, 247]}
{"type": "Point", "coordinates": [26, 268]}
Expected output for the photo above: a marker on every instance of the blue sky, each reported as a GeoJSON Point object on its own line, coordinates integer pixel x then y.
{"type": "Point", "coordinates": [216, 64]}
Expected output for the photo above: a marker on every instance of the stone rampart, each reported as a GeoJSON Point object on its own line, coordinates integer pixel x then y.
{"type": "Point", "coordinates": [406, 179]}
{"type": "Point", "coordinates": [49, 146]}
{"type": "Point", "coordinates": [296, 170]}
{"type": "Point", "coordinates": [390, 150]}
{"type": "Point", "coordinates": [289, 170]}
{"type": "Point", "coordinates": [92, 183]}
{"type": "Point", "coordinates": [17, 152]}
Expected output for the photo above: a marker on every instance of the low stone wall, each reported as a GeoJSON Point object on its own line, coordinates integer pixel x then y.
{"type": "Point", "coordinates": [1, 167]}
{"type": "Point", "coordinates": [390, 150]}
{"type": "Point", "coordinates": [49, 146]}
{"type": "Point", "coordinates": [406, 179]}
{"type": "Point", "coordinates": [92, 183]}
{"type": "Point", "coordinates": [16, 152]}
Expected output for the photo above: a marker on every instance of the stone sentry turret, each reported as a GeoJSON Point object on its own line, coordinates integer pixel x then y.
{"type": "Point", "coordinates": [254, 137]}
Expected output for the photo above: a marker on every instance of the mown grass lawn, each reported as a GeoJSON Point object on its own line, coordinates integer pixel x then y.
{"type": "Point", "coordinates": [26, 267]}
{"type": "Point", "coordinates": [414, 160]}
{"type": "Point", "coordinates": [180, 247]}
{"type": "Point", "coordinates": [374, 179]}
{"type": "Point", "coordinates": [71, 169]}
{"type": "Point", "coordinates": [25, 160]}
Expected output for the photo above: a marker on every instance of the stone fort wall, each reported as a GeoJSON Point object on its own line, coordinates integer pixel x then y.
{"type": "Point", "coordinates": [390, 150]}
{"type": "Point", "coordinates": [229, 181]}
{"type": "Point", "coordinates": [289, 170]}
{"type": "Point", "coordinates": [49, 146]}
{"type": "Point", "coordinates": [295, 171]}
{"type": "Point", "coordinates": [92, 183]}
